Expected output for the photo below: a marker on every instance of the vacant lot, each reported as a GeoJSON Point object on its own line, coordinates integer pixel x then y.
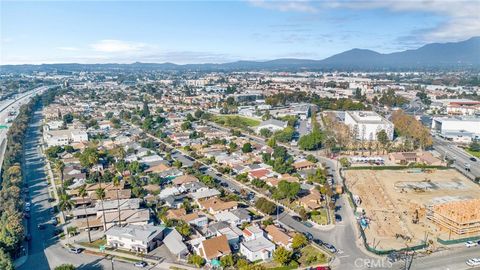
{"type": "Point", "coordinates": [396, 202]}
{"type": "Point", "coordinates": [235, 121]}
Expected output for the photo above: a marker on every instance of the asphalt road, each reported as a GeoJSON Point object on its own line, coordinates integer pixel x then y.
{"type": "Point", "coordinates": [446, 148]}
{"type": "Point", "coordinates": [45, 251]}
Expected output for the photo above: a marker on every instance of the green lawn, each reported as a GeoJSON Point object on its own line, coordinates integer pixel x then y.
{"type": "Point", "coordinates": [236, 121]}
{"type": "Point", "coordinates": [95, 244]}
{"type": "Point", "coordinates": [474, 153]}
{"type": "Point", "coordinates": [322, 218]}
{"type": "Point", "coordinates": [312, 256]}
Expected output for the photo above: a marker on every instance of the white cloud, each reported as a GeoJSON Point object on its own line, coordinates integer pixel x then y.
{"type": "Point", "coordinates": [68, 49]}
{"type": "Point", "coordinates": [117, 46]}
{"type": "Point", "coordinates": [462, 19]}
{"type": "Point", "coordinates": [296, 6]}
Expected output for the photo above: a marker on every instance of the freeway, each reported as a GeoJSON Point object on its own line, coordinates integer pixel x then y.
{"type": "Point", "coordinates": [451, 151]}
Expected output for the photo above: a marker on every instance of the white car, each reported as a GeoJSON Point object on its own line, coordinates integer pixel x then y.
{"type": "Point", "coordinates": [473, 262]}
{"type": "Point", "coordinates": [27, 204]}
{"type": "Point", "coordinates": [470, 244]}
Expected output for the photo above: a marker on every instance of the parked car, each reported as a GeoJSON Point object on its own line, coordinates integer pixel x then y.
{"type": "Point", "coordinates": [141, 264]}
{"type": "Point", "coordinates": [473, 159]}
{"type": "Point", "coordinates": [338, 218]}
{"type": "Point", "coordinates": [470, 244]}
{"type": "Point", "coordinates": [75, 250]}
{"type": "Point", "coordinates": [54, 221]}
{"type": "Point", "coordinates": [473, 262]}
{"type": "Point", "coordinates": [330, 248]}
{"type": "Point", "coordinates": [27, 204]}
{"type": "Point", "coordinates": [309, 236]}
{"type": "Point", "coordinates": [27, 209]}
{"type": "Point", "coordinates": [318, 241]}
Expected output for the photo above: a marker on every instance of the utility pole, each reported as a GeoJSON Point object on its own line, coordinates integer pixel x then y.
{"type": "Point", "coordinates": [112, 264]}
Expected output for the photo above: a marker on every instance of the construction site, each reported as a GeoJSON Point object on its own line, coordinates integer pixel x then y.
{"type": "Point", "coordinates": [404, 208]}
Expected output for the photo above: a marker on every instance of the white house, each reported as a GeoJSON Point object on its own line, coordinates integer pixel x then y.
{"type": "Point", "coordinates": [365, 125]}
{"type": "Point", "coordinates": [257, 249]}
{"type": "Point", "coordinates": [140, 238]}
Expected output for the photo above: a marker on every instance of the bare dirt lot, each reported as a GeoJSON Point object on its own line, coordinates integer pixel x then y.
{"type": "Point", "coordinates": [396, 202]}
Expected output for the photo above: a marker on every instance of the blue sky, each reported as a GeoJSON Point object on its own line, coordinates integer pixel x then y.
{"type": "Point", "coordinates": [221, 31]}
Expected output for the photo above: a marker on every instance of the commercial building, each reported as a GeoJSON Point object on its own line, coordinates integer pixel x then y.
{"type": "Point", "coordinates": [458, 129]}
{"type": "Point", "coordinates": [365, 125]}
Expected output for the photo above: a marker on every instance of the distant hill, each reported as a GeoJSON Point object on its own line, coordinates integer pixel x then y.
{"type": "Point", "coordinates": [453, 55]}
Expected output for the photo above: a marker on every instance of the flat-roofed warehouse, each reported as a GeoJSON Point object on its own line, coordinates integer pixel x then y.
{"type": "Point", "coordinates": [460, 217]}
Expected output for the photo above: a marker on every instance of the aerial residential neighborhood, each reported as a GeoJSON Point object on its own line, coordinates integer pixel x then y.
{"type": "Point", "coordinates": [186, 149]}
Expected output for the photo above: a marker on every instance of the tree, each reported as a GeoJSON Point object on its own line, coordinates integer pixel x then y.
{"type": "Point", "coordinates": [247, 148]}
{"type": "Point", "coordinates": [311, 141]}
{"type": "Point", "coordinates": [282, 256]}
{"type": "Point", "coordinates": [227, 260]}
{"type": "Point", "coordinates": [145, 110]}
{"type": "Point", "coordinates": [60, 167]}
{"type": "Point", "coordinates": [65, 203]}
{"type": "Point", "coordinates": [5, 260]}
{"type": "Point", "coordinates": [100, 192]}
{"type": "Point", "coordinates": [286, 190]}
{"type": "Point", "coordinates": [82, 192]}
{"type": "Point", "coordinates": [382, 138]}
{"type": "Point", "coordinates": [67, 118]}
{"type": "Point", "coordinates": [265, 206]}
{"type": "Point", "coordinates": [299, 240]}
{"type": "Point", "coordinates": [116, 184]}
{"type": "Point", "coordinates": [312, 158]}
{"type": "Point", "coordinates": [89, 157]}
{"type": "Point", "coordinates": [186, 125]}
{"type": "Point", "coordinates": [65, 267]}
{"type": "Point", "coordinates": [184, 229]}
{"type": "Point", "coordinates": [265, 132]}
{"type": "Point", "coordinates": [303, 214]}
{"type": "Point", "coordinates": [196, 260]}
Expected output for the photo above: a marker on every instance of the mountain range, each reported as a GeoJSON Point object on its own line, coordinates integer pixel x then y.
{"type": "Point", "coordinates": [434, 56]}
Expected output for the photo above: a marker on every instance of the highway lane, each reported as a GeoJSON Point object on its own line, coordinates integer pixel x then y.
{"type": "Point", "coordinates": [450, 150]}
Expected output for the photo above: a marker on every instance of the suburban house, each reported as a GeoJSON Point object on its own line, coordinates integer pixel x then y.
{"type": "Point", "coordinates": [174, 242]}
{"type": "Point", "coordinates": [215, 205]}
{"type": "Point", "coordinates": [256, 249]}
{"type": "Point", "coordinates": [414, 157]}
{"type": "Point", "coordinates": [138, 238]}
{"type": "Point", "coordinates": [278, 236]}
{"type": "Point", "coordinates": [312, 201]}
{"type": "Point", "coordinates": [214, 248]}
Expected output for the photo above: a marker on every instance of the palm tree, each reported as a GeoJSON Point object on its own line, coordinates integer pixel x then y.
{"type": "Point", "coordinates": [116, 183]}
{"type": "Point", "coordinates": [64, 203]}
{"type": "Point", "coordinates": [101, 196]}
{"type": "Point", "coordinates": [83, 193]}
{"type": "Point", "coordinates": [60, 166]}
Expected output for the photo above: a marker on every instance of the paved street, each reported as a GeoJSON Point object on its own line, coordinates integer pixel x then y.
{"type": "Point", "coordinates": [446, 148]}
{"type": "Point", "coordinates": [45, 251]}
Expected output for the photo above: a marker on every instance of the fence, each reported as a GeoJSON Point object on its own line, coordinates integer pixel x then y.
{"type": "Point", "coordinates": [362, 232]}
{"type": "Point", "coordinates": [458, 241]}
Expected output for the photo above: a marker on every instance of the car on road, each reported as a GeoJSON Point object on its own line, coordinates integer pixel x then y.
{"type": "Point", "coordinates": [27, 204]}
{"type": "Point", "coordinates": [473, 159]}
{"type": "Point", "coordinates": [473, 262]}
{"type": "Point", "coordinates": [223, 184]}
{"type": "Point", "coordinates": [75, 250]}
{"type": "Point", "coordinates": [307, 224]}
{"type": "Point", "coordinates": [470, 244]}
{"type": "Point", "coordinates": [330, 247]}
{"type": "Point", "coordinates": [41, 226]}
{"type": "Point", "coordinates": [141, 264]}
{"type": "Point", "coordinates": [297, 218]}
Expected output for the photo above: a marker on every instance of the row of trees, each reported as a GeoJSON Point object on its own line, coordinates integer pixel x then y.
{"type": "Point", "coordinates": [412, 129]}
